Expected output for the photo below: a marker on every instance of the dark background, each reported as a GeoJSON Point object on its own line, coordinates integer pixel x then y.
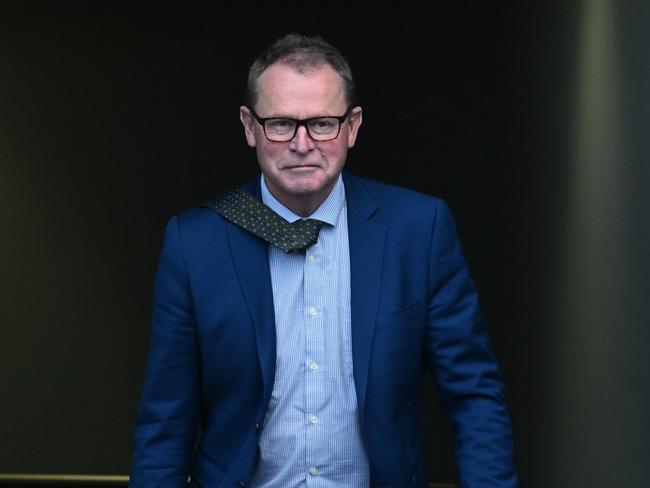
{"type": "Point", "coordinates": [531, 121]}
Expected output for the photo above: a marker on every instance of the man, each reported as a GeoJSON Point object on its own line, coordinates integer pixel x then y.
{"type": "Point", "coordinates": [299, 350]}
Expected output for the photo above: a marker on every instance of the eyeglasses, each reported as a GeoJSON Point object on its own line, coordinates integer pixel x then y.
{"type": "Point", "coordinates": [282, 129]}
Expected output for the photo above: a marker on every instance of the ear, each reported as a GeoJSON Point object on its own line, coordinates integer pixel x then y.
{"type": "Point", "coordinates": [248, 122]}
{"type": "Point", "coordinates": [355, 118]}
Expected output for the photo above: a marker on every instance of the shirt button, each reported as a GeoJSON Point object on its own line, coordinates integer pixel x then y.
{"type": "Point", "coordinates": [313, 471]}
{"type": "Point", "coordinates": [313, 419]}
{"type": "Point", "coordinates": [311, 258]}
{"type": "Point", "coordinates": [313, 366]}
{"type": "Point", "coordinates": [312, 311]}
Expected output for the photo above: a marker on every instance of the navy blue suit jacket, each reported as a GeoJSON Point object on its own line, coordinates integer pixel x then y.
{"type": "Point", "coordinates": [414, 306]}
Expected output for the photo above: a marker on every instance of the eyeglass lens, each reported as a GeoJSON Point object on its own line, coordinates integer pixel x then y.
{"type": "Point", "coordinates": [322, 128]}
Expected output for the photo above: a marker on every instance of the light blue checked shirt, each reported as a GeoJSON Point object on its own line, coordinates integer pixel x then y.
{"type": "Point", "coordinates": [311, 434]}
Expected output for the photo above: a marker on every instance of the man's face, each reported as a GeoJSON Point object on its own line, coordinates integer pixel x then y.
{"type": "Point", "coordinates": [300, 173]}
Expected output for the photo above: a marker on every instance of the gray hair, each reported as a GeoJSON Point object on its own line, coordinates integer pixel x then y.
{"type": "Point", "coordinates": [303, 54]}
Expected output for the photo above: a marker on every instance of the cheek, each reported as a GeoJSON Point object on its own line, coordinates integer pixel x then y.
{"type": "Point", "coordinates": [335, 155]}
{"type": "Point", "coordinates": [268, 154]}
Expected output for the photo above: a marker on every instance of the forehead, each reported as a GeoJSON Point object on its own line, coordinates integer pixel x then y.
{"type": "Point", "coordinates": [282, 90]}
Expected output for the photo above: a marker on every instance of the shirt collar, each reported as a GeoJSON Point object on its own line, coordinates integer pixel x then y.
{"type": "Point", "coordinates": [328, 211]}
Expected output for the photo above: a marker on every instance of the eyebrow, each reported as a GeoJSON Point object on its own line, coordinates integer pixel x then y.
{"type": "Point", "coordinates": [299, 118]}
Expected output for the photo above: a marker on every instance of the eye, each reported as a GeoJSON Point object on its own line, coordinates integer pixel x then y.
{"type": "Point", "coordinates": [323, 125]}
{"type": "Point", "coordinates": [279, 125]}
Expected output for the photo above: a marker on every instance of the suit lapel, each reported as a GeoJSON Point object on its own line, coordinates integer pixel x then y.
{"type": "Point", "coordinates": [251, 259]}
{"type": "Point", "coordinates": [366, 241]}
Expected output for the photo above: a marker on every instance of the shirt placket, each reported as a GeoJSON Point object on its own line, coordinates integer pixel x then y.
{"type": "Point", "coordinates": [315, 361]}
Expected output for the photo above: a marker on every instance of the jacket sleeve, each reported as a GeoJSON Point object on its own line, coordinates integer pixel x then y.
{"type": "Point", "coordinates": [167, 419]}
{"type": "Point", "coordinates": [463, 366]}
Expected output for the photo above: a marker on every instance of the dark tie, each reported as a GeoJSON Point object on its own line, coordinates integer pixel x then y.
{"type": "Point", "coordinates": [251, 214]}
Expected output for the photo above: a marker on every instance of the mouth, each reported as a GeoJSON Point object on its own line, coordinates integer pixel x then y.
{"type": "Point", "coordinates": [299, 167]}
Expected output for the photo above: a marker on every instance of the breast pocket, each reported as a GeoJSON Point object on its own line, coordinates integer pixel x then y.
{"type": "Point", "coordinates": [410, 314]}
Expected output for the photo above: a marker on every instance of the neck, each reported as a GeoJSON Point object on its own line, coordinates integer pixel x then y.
{"type": "Point", "coordinates": [303, 205]}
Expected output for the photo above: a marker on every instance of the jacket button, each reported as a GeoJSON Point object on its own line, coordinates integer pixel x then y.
{"type": "Point", "coordinates": [240, 484]}
{"type": "Point", "coordinates": [257, 428]}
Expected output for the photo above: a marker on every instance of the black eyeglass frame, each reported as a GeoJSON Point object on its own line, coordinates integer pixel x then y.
{"type": "Point", "coordinates": [302, 122]}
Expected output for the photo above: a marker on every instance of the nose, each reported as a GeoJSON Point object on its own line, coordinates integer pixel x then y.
{"type": "Point", "coordinates": [302, 143]}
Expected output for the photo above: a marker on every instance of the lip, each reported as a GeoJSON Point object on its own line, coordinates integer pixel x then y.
{"type": "Point", "coordinates": [301, 166]}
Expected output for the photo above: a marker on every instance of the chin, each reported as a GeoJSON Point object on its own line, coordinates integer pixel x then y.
{"type": "Point", "coordinates": [304, 190]}
{"type": "Point", "coordinates": [305, 185]}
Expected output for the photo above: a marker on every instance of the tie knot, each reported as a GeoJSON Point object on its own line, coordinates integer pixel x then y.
{"type": "Point", "coordinates": [304, 233]}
